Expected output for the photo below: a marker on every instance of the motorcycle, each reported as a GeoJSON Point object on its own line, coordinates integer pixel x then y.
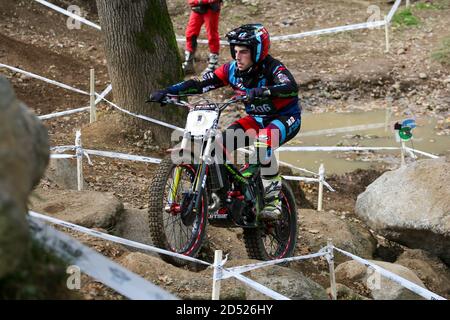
{"type": "Point", "coordinates": [188, 194]}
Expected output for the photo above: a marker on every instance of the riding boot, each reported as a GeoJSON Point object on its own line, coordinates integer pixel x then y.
{"type": "Point", "coordinates": [188, 64]}
{"type": "Point", "coordinates": [272, 207]}
{"type": "Point", "coordinates": [213, 62]}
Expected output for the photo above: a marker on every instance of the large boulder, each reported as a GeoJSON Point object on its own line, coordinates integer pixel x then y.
{"type": "Point", "coordinates": [63, 173]}
{"type": "Point", "coordinates": [91, 209]}
{"type": "Point", "coordinates": [290, 283]}
{"type": "Point", "coordinates": [133, 225]}
{"type": "Point", "coordinates": [229, 240]}
{"type": "Point", "coordinates": [411, 206]}
{"type": "Point", "coordinates": [345, 293]}
{"type": "Point", "coordinates": [315, 227]}
{"type": "Point", "coordinates": [430, 269]}
{"type": "Point", "coordinates": [24, 154]}
{"type": "Point", "coordinates": [380, 287]}
{"type": "Point", "coordinates": [198, 285]}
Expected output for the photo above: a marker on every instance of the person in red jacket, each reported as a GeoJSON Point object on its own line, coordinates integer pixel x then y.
{"type": "Point", "coordinates": [203, 12]}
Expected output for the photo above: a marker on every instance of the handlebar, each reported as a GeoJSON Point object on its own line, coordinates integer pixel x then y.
{"type": "Point", "coordinates": [175, 99]}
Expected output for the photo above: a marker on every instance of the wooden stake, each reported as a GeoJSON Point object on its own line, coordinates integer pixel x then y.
{"type": "Point", "coordinates": [93, 110]}
{"type": "Point", "coordinates": [217, 272]}
{"type": "Point", "coordinates": [79, 154]}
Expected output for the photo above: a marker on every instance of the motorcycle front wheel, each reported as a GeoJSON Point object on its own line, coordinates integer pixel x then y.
{"type": "Point", "coordinates": [170, 227]}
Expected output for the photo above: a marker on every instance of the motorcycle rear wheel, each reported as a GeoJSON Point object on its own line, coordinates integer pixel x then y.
{"type": "Point", "coordinates": [275, 239]}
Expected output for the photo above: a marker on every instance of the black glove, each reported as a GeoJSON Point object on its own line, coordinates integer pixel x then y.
{"type": "Point", "coordinates": [202, 9]}
{"type": "Point", "coordinates": [158, 96]}
{"type": "Point", "coordinates": [255, 93]}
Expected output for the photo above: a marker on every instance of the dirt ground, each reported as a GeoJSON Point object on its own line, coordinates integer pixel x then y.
{"type": "Point", "coordinates": [342, 72]}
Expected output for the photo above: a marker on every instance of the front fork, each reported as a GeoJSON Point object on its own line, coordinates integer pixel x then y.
{"type": "Point", "coordinates": [177, 177]}
{"type": "Point", "coordinates": [204, 161]}
{"type": "Point", "coordinates": [174, 188]}
{"type": "Point", "coordinates": [201, 174]}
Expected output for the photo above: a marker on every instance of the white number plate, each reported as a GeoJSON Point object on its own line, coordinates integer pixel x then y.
{"type": "Point", "coordinates": [200, 121]}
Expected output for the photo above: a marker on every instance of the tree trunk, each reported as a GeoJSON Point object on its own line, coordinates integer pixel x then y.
{"type": "Point", "coordinates": [142, 55]}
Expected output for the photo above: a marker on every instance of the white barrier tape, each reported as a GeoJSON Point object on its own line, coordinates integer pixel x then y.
{"type": "Point", "coordinates": [112, 238]}
{"type": "Point", "coordinates": [121, 156]}
{"type": "Point", "coordinates": [62, 113]}
{"type": "Point", "coordinates": [304, 179]}
{"type": "Point", "coordinates": [32, 75]}
{"type": "Point", "coordinates": [162, 123]}
{"type": "Point", "coordinates": [69, 14]}
{"type": "Point", "coordinates": [218, 269]}
{"type": "Point", "coordinates": [410, 153]}
{"type": "Point", "coordinates": [295, 178]}
{"type": "Point", "coordinates": [253, 266]}
{"type": "Point", "coordinates": [257, 286]}
{"type": "Point", "coordinates": [181, 39]}
{"type": "Point", "coordinates": [297, 168]}
{"type": "Point", "coordinates": [87, 157]}
{"type": "Point", "coordinates": [252, 150]}
{"type": "Point", "coordinates": [330, 149]}
{"type": "Point", "coordinates": [326, 184]}
{"type": "Point", "coordinates": [96, 265]}
{"type": "Point", "coordinates": [62, 156]}
{"type": "Point", "coordinates": [393, 10]}
{"type": "Point", "coordinates": [365, 25]}
{"type": "Point", "coordinates": [62, 148]}
{"type": "Point", "coordinates": [433, 156]}
{"type": "Point", "coordinates": [116, 155]}
{"type": "Point", "coordinates": [342, 130]}
{"type": "Point", "coordinates": [392, 276]}
{"type": "Point", "coordinates": [104, 93]}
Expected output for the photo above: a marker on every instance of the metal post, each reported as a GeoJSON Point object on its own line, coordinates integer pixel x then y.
{"type": "Point", "coordinates": [386, 33]}
{"type": "Point", "coordinates": [79, 154]}
{"type": "Point", "coordinates": [321, 178]}
{"type": "Point", "coordinates": [402, 150]}
{"type": "Point", "coordinates": [93, 116]}
{"type": "Point", "coordinates": [330, 259]}
{"type": "Point", "coordinates": [217, 274]}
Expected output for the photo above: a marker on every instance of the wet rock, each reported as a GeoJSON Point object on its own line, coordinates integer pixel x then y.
{"type": "Point", "coordinates": [24, 156]}
{"type": "Point", "coordinates": [89, 209]}
{"type": "Point", "coordinates": [430, 269]}
{"type": "Point", "coordinates": [345, 293]}
{"type": "Point", "coordinates": [63, 172]}
{"type": "Point", "coordinates": [380, 287]}
{"type": "Point", "coordinates": [133, 225]}
{"type": "Point", "coordinates": [287, 282]}
{"type": "Point", "coordinates": [345, 235]}
{"type": "Point", "coordinates": [411, 205]}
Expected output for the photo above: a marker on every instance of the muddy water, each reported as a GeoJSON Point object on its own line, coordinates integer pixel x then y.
{"type": "Point", "coordinates": [424, 139]}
